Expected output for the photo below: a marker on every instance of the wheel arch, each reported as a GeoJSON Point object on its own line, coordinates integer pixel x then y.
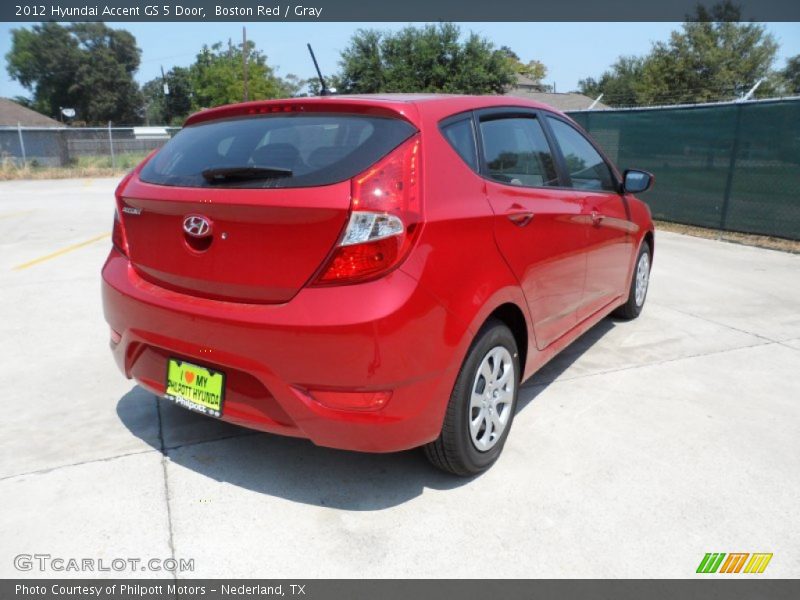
{"type": "Point", "coordinates": [512, 316]}
{"type": "Point", "coordinates": [650, 240]}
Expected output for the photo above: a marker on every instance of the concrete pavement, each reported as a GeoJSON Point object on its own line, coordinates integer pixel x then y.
{"type": "Point", "coordinates": [639, 449]}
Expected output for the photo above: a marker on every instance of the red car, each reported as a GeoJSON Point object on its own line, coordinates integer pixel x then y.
{"type": "Point", "coordinates": [372, 273]}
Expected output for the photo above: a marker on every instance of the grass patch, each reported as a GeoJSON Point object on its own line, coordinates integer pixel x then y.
{"type": "Point", "coordinates": [84, 166]}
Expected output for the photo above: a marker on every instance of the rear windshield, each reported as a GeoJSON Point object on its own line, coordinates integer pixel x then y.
{"type": "Point", "coordinates": [279, 151]}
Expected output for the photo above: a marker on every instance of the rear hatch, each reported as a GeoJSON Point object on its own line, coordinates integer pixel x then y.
{"type": "Point", "coordinates": [248, 208]}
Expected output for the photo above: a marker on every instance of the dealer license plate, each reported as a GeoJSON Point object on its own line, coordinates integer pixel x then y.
{"type": "Point", "coordinates": [195, 387]}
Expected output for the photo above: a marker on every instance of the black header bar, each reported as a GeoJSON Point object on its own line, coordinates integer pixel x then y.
{"type": "Point", "coordinates": [382, 10]}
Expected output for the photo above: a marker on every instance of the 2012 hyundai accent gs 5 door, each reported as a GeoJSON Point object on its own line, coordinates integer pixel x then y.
{"type": "Point", "coordinates": [372, 273]}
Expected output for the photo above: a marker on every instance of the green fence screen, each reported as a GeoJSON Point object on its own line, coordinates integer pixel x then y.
{"type": "Point", "coordinates": [734, 167]}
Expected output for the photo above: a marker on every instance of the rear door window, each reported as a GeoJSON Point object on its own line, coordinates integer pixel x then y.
{"type": "Point", "coordinates": [277, 151]}
{"type": "Point", "coordinates": [517, 153]}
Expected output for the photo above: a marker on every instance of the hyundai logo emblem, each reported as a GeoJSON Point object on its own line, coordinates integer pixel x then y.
{"type": "Point", "coordinates": [197, 226]}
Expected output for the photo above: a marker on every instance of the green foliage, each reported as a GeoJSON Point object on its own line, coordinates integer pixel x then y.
{"type": "Point", "coordinates": [533, 69]}
{"type": "Point", "coordinates": [291, 85]}
{"type": "Point", "coordinates": [24, 101]}
{"type": "Point", "coordinates": [85, 66]}
{"type": "Point", "coordinates": [714, 57]}
{"type": "Point", "coordinates": [791, 75]}
{"type": "Point", "coordinates": [171, 108]}
{"type": "Point", "coordinates": [90, 67]}
{"type": "Point", "coordinates": [422, 59]}
{"type": "Point", "coordinates": [217, 76]}
{"type": "Point", "coordinates": [620, 86]}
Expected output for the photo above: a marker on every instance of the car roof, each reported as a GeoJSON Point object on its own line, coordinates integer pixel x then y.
{"type": "Point", "coordinates": [441, 104]}
{"type": "Point", "coordinates": [456, 100]}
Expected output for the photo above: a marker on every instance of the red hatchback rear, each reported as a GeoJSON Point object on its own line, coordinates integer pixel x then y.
{"type": "Point", "coordinates": [371, 273]}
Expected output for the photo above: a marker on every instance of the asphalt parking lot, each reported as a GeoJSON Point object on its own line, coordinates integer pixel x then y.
{"type": "Point", "coordinates": [639, 449]}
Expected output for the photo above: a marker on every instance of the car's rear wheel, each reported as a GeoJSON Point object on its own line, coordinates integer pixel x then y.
{"type": "Point", "coordinates": [640, 282]}
{"type": "Point", "coordinates": [482, 405]}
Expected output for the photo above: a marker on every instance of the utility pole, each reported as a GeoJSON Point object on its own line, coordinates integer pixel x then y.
{"type": "Point", "coordinates": [165, 85]}
{"type": "Point", "coordinates": [167, 114]}
{"type": "Point", "coordinates": [244, 62]}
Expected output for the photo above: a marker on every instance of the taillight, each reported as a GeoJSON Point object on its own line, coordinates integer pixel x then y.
{"type": "Point", "coordinates": [386, 211]}
{"type": "Point", "coordinates": [118, 235]}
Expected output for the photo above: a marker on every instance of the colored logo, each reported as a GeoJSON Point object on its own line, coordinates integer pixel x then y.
{"type": "Point", "coordinates": [735, 562]}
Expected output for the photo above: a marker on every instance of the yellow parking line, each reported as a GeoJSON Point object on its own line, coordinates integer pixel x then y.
{"type": "Point", "coordinates": [41, 259]}
{"type": "Point", "coordinates": [19, 213]}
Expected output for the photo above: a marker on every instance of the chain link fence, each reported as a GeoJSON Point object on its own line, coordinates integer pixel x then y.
{"type": "Point", "coordinates": [86, 146]}
{"type": "Point", "coordinates": [732, 167]}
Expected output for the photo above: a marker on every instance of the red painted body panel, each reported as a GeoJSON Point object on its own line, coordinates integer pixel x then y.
{"type": "Point", "coordinates": [274, 240]}
{"type": "Point", "coordinates": [278, 339]}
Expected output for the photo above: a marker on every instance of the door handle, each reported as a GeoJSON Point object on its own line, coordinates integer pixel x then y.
{"type": "Point", "coordinates": [597, 217]}
{"type": "Point", "coordinates": [520, 218]}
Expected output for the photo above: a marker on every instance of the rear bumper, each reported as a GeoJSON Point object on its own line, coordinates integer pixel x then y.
{"type": "Point", "coordinates": [386, 335]}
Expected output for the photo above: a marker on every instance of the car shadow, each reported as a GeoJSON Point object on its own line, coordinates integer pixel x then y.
{"type": "Point", "coordinates": [296, 469]}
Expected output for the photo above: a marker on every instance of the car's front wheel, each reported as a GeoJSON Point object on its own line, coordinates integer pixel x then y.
{"type": "Point", "coordinates": [640, 282]}
{"type": "Point", "coordinates": [482, 405]}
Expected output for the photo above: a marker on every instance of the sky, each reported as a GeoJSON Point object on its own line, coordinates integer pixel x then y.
{"type": "Point", "coordinates": [570, 51]}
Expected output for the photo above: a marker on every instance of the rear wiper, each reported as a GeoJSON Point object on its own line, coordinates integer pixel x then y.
{"type": "Point", "coordinates": [220, 174]}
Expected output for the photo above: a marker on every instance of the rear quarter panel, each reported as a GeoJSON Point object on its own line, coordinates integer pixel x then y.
{"type": "Point", "coordinates": [456, 258]}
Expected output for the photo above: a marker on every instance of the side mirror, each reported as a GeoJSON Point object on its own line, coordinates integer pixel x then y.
{"type": "Point", "coordinates": [636, 182]}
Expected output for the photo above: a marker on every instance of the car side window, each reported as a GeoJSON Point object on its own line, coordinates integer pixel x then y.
{"type": "Point", "coordinates": [586, 168]}
{"type": "Point", "coordinates": [461, 137]}
{"type": "Point", "coordinates": [517, 152]}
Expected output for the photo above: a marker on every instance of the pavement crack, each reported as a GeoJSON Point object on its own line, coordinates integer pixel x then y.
{"type": "Point", "coordinates": [713, 322]}
{"type": "Point", "coordinates": [165, 471]}
{"type": "Point", "coordinates": [162, 449]}
{"type": "Point", "coordinates": [786, 344]}
{"type": "Point", "coordinates": [533, 384]}
{"type": "Point", "coordinates": [75, 464]}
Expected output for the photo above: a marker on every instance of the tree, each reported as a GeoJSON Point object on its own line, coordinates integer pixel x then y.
{"type": "Point", "coordinates": [291, 85]}
{"type": "Point", "coordinates": [620, 86]}
{"type": "Point", "coordinates": [422, 59]}
{"type": "Point", "coordinates": [173, 107]}
{"type": "Point", "coordinates": [714, 57]}
{"type": "Point", "coordinates": [533, 69]}
{"type": "Point", "coordinates": [791, 75]}
{"type": "Point", "coordinates": [217, 76]}
{"type": "Point", "coordinates": [85, 66]}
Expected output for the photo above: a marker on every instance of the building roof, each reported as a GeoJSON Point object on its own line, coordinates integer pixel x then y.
{"type": "Point", "coordinates": [12, 113]}
{"type": "Point", "coordinates": [524, 81]}
{"type": "Point", "coordinates": [564, 102]}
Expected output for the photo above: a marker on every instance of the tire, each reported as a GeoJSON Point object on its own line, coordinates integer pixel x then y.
{"type": "Point", "coordinates": [491, 369]}
{"type": "Point", "coordinates": [633, 307]}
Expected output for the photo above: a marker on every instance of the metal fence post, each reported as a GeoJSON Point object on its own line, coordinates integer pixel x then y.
{"type": "Point", "coordinates": [111, 145]}
{"type": "Point", "coordinates": [726, 197]}
{"type": "Point", "coordinates": [22, 144]}
{"type": "Point", "coordinates": [63, 148]}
